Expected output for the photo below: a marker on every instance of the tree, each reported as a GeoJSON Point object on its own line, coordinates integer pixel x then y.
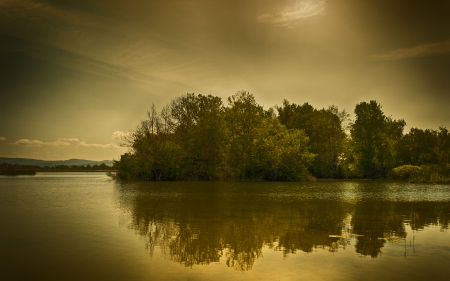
{"type": "Point", "coordinates": [282, 153]}
{"type": "Point", "coordinates": [199, 126]}
{"type": "Point", "coordinates": [421, 147]}
{"type": "Point", "coordinates": [325, 129]}
{"type": "Point", "coordinates": [443, 145]}
{"type": "Point", "coordinates": [154, 155]}
{"type": "Point", "coordinates": [243, 116]}
{"type": "Point", "coordinates": [375, 138]}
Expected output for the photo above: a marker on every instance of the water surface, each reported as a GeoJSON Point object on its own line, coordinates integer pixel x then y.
{"type": "Point", "coordinates": [84, 226]}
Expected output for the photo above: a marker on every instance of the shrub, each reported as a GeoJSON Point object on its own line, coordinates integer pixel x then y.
{"type": "Point", "coordinates": [425, 173]}
{"type": "Point", "coordinates": [433, 174]}
{"type": "Point", "coordinates": [405, 172]}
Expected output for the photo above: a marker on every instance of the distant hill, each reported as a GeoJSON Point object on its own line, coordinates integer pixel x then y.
{"type": "Point", "coordinates": [42, 163]}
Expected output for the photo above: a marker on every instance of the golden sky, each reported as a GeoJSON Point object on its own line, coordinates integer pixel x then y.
{"type": "Point", "coordinates": [75, 75]}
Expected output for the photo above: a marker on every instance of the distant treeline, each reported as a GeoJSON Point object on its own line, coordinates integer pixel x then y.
{"type": "Point", "coordinates": [197, 137]}
{"type": "Point", "coordinates": [94, 167]}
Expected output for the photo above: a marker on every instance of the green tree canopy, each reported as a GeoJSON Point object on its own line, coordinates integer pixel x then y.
{"type": "Point", "coordinates": [375, 138]}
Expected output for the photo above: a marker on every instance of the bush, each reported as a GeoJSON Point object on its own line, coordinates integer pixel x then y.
{"type": "Point", "coordinates": [423, 174]}
{"type": "Point", "coordinates": [405, 172]}
{"type": "Point", "coordinates": [433, 174]}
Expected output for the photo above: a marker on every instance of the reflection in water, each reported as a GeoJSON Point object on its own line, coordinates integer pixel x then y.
{"type": "Point", "coordinates": [200, 223]}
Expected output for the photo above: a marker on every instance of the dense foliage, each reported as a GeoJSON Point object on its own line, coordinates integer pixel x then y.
{"type": "Point", "coordinates": [197, 137]}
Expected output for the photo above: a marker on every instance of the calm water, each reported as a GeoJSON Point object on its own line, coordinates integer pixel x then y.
{"type": "Point", "coordinates": [84, 226]}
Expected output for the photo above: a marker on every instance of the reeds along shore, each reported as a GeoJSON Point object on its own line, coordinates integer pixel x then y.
{"type": "Point", "coordinates": [14, 172]}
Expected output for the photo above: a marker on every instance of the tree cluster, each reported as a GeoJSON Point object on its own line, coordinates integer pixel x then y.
{"type": "Point", "coordinates": [197, 137]}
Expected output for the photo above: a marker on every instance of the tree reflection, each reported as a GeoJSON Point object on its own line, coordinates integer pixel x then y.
{"type": "Point", "coordinates": [193, 246]}
{"type": "Point", "coordinates": [374, 221]}
{"type": "Point", "coordinates": [311, 225]}
{"type": "Point", "coordinates": [195, 223]}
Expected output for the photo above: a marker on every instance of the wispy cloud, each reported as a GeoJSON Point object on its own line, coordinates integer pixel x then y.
{"type": "Point", "coordinates": [65, 142]}
{"type": "Point", "coordinates": [69, 139]}
{"type": "Point", "coordinates": [2, 138]}
{"type": "Point", "coordinates": [422, 50]}
{"type": "Point", "coordinates": [111, 47]}
{"type": "Point", "coordinates": [292, 14]}
{"type": "Point", "coordinates": [28, 142]}
{"type": "Point", "coordinates": [98, 45]}
{"type": "Point", "coordinates": [119, 135]}
{"type": "Point", "coordinates": [96, 145]}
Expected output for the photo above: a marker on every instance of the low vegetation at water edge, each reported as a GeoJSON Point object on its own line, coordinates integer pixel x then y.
{"type": "Point", "coordinates": [422, 174]}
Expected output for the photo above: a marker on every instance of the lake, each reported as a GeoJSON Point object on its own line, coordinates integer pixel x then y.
{"type": "Point", "coordinates": [85, 226]}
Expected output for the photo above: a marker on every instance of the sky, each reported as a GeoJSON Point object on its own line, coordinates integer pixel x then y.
{"type": "Point", "coordinates": [77, 75]}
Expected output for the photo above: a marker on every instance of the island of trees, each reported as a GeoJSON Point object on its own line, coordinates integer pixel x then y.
{"type": "Point", "coordinates": [197, 137]}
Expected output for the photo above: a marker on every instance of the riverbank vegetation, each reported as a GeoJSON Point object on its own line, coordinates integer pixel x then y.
{"type": "Point", "coordinates": [18, 169]}
{"type": "Point", "coordinates": [197, 137]}
{"type": "Point", "coordinates": [422, 174]}
{"type": "Point", "coordinates": [14, 172]}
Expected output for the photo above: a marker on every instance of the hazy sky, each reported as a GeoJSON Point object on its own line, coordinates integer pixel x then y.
{"type": "Point", "coordinates": [74, 75]}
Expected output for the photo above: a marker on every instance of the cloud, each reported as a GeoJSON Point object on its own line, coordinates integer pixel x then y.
{"type": "Point", "coordinates": [95, 44]}
{"type": "Point", "coordinates": [96, 145]}
{"type": "Point", "coordinates": [69, 139]}
{"type": "Point", "coordinates": [110, 46]}
{"type": "Point", "coordinates": [2, 138]}
{"type": "Point", "coordinates": [28, 142]}
{"type": "Point", "coordinates": [119, 135]}
{"type": "Point", "coordinates": [422, 50]}
{"type": "Point", "coordinates": [295, 12]}
{"type": "Point", "coordinates": [65, 142]}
